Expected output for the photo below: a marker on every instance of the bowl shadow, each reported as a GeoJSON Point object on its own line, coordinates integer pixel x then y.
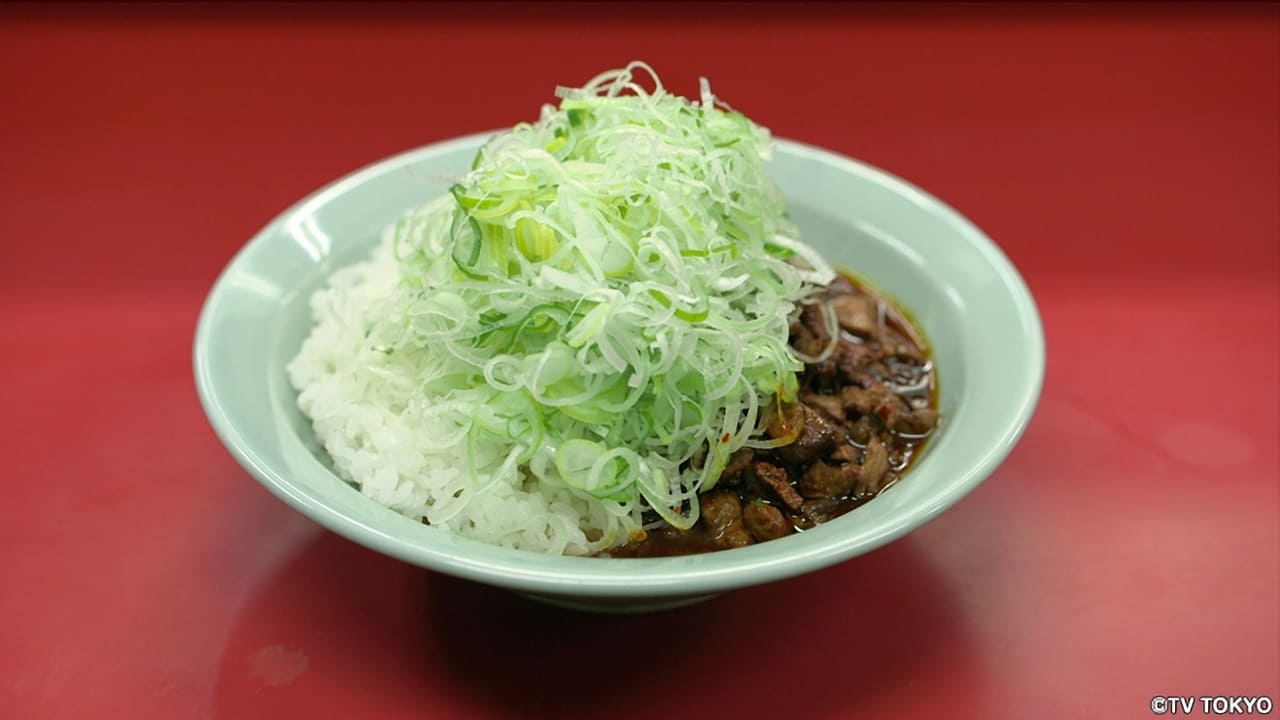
{"type": "Point", "coordinates": [804, 647]}
{"type": "Point", "coordinates": [341, 627]}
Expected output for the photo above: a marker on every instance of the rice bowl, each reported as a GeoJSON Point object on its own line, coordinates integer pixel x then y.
{"type": "Point", "coordinates": [965, 295]}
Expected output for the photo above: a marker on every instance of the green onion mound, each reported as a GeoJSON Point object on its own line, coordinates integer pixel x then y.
{"type": "Point", "coordinates": [607, 295]}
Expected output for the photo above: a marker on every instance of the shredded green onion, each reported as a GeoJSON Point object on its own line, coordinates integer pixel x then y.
{"type": "Point", "coordinates": [608, 292]}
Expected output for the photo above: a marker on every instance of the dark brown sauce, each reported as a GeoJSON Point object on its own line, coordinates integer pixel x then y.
{"type": "Point", "coordinates": [861, 419]}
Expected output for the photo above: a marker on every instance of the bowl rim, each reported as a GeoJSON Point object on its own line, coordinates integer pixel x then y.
{"type": "Point", "coordinates": [626, 577]}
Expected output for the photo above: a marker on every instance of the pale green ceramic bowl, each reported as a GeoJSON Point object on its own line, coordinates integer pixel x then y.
{"type": "Point", "coordinates": [967, 297]}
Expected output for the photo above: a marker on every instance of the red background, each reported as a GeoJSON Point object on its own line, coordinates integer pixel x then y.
{"type": "Point", "coordinates": [1126, 158]}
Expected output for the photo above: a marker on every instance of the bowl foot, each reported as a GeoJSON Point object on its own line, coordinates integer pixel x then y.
{"type": "Point", "coordinates": [618, 606]}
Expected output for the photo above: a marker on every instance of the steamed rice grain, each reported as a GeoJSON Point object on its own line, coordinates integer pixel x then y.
{"type": "Point", "coordinates": [403, 448]}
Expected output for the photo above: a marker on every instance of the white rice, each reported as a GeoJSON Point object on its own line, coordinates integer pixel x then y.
{"type": "Point", "coordinates": [400, 446]}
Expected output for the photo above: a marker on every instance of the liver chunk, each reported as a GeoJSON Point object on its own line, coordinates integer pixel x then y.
{"type": "Point", "coordinates": [722, 514]}
{"type": "Point", "coordinates": [764, 521]}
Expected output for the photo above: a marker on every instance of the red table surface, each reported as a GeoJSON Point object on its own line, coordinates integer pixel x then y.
{"type": "Point", "coordinates": [1126, 158]}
